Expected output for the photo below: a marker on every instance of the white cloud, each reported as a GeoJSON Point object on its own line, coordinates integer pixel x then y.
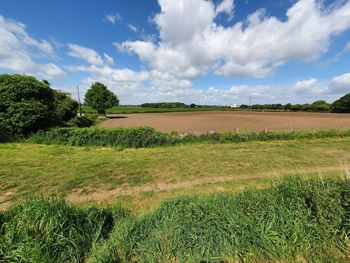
{"type": "Point", "coordinates": [113, 18]}
{"type": "Point", "coordinates": [108, 59]}
{"type": "Point", "coordinates": [226, 6]}
{"type": "Point", "coordinates": [21, 53]}
{"type": "Point", "coordinates": [340, 84]}
{"type": "Point", "coordinates": [191, 43]}
{"type": "Point", "coordinates": [87, 54]}
{"type": "Point", "coordinates": [132, 27]}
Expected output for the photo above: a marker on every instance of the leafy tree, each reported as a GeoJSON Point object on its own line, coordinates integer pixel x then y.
{"type": "Point", "coordinates": [100, 98]}
{"type": "Point", "coordinates": [342, 105]}
{"type": "Point", "coordinates": [28, 105]}
{"type": "Point", "coordinates": [66, 107]}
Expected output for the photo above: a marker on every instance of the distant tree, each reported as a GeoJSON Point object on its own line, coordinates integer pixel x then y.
{"type": "Point", "coordinates": [192, 105]}
{"type": "Point", "coordinates": [342, 105]}
{"type": "Point", "coordinates": [319, 102]}
{"type": "Point", "coordinates": [100, 98]}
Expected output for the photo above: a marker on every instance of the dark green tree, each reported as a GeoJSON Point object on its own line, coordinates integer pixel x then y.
{"type": "Point", "coordinates": [342, 105]}
{"type": "Point", "coordinates": [100, 98]}
{"type": "Point", "coordinates": [66, 107]}
{"type": "Point", "coordinates": [28, 105]}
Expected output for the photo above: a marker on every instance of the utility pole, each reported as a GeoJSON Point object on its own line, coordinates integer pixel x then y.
{"type": "Point", "coordinates": [80, 110]}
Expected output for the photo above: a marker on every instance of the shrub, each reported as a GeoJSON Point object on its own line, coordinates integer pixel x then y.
{"type": "Point", "coordinates": [115, 137]}
{"type": "Point", "coordinates": [66, 107]}
{"type": "Point", "coordinates": [82, 121]}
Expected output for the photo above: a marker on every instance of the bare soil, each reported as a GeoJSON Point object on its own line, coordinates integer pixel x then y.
{"type": "Point", "coordinates": [221, 121]}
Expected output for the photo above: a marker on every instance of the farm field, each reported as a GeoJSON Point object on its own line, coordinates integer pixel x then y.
{"type": "Point", "coordinates": [140, 179]}
{"type": "Point", "coordinates": [222, 121]}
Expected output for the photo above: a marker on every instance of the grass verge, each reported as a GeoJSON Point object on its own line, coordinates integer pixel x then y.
{"type": "Point", "coordinates": [294, 221]}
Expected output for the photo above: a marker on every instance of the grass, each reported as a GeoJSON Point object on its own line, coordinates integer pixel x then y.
{"type": "Point", "coordinates": [141, 178]}
{"type": "Point", "coordinates": [294, 221]}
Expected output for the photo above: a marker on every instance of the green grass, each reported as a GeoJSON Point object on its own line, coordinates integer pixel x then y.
{"type": "Point", "coordinates": [293, 221]}
{"type": "Point", "coordinates": [139, 109]}
{"type": "Point", "coordinates": [141, 178]}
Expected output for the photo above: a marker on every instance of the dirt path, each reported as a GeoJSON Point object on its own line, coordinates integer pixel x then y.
{"type": "Point", "coordinates": [100, 195]}
{"type": "Point", "coordinates": [202, 122]}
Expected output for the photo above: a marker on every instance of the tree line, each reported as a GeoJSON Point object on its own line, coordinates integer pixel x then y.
{"type": "Point", "coordinates": [28, 105]}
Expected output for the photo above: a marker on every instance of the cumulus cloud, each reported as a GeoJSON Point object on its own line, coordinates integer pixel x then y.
{"type": "Point", "coordinates": [84, 53]}
{"type": "Point", "coordinates": [19, 52]}
{"type": "Point", "coordinates": [226, 6]}
{"type": "Point", "coordinates": [191, 43]}
{"type": "Point", "coordinates": [340, 84]}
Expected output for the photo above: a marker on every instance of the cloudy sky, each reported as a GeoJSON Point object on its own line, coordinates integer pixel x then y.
{"type": "Point", "coordinates": [201, 51]}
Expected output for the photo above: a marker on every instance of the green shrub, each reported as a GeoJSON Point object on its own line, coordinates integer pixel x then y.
{"type": "Point", "coordinates": [295, 220]}
{"type": "Point", "coordinates": [142, 137]}
{"type": "Point", "coordinates": [48, 230]}
{"type": "Point", "coordinates": [82, 121]}
{"type": "Point", "coordinates": [115, 137]}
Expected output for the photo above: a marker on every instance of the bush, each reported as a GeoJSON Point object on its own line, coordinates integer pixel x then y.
{"type": "Point", "coordinates": [115, 137]}
{"type": "Point", "coordinates": [138, 137]}
{"type": "Point", "coordinates": [82, 121]}
{"type": "Point", "coordinates": [66, 107]}
{"type": "Point", "coordinates": [48, 230]}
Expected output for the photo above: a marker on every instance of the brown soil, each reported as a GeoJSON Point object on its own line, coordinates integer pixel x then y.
{"type": "Point", "coordinates": [202, 122]}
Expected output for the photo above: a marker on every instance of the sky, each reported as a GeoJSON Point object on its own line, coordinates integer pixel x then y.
{"type": "Point", "coordinates": [217, 52]}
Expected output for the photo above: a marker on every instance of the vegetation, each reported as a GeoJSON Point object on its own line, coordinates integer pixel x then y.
{"type": "Point", "coordinates": [100, 98]}
{"type": "Point", "coordinates": [128, 109]}
{"type": "Point", "coordinates": [116, 137]}
{"type": "Point", "coordinates": [342, 105]}
{"type": "Point", "coordinates": [141, 178]}
{"type": "Point", "coordinates": [317, 106]}
{"type": "Point", "coordinates": [83, 121]}
{"type": "Point", "coordinates": [28, 105]}
{"type": "Point", "coordinates": [139, 137]}
{"type": "Point", "coordinates": [296, 220]}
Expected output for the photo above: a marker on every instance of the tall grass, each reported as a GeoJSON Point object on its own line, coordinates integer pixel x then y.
{"type": "Point", "coordinates": [139, 137]}
{"type": "Point", "coordinates": [294, 221]}
{"type": "Point", "coordinates": [48, 230]}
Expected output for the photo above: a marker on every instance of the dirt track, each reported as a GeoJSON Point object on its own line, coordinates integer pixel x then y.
{"type": "Point", "coordinates": [202, 122]}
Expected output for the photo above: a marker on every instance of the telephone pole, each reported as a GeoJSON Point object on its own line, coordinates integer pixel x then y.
{"type": "Point", "coordinates": [80, 109]}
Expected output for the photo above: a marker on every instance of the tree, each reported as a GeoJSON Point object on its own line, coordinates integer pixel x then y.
{"type": "Point", "coordinates": [342, 105]}
{"type": "Point", "coordinates": [28, 105]}
{"type": "Point", "coordinates": [100, 98]}
{"type": "Point", "coordinates": [66, 107]}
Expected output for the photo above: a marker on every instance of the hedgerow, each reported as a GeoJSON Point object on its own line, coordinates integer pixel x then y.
{"type": "Point", "coordinates": [142, 137]}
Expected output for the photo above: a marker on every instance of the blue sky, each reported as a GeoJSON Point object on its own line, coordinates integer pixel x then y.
{"type": "Point", "coordinates": [208, 52]}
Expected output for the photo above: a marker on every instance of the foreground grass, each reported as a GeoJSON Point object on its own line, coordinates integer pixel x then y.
{"type": "Point", "coordinates": [294, 221]}
{"type": "Point", "coordinates": [141, 178]}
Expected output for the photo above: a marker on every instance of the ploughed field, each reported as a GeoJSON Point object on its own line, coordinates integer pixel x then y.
{"type": "Point", "coordinates": [221, 121]}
